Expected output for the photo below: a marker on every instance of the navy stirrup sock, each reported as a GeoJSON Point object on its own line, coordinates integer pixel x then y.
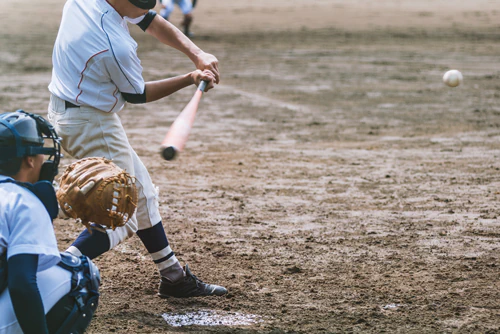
{"type": "Point", "coordinates": [155, 241]}
{"type": "Point", "coordinates": [92, 245]}
{"type": "Point", "coordinates": [153, 238]}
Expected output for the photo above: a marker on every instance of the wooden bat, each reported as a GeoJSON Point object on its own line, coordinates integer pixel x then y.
{"type": "Point", "coordinates": [178, 134]}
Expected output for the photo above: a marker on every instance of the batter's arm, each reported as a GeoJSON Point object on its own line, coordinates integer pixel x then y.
{"type": "Point", "coordinates": [168, 34]}
{"type": "Point", "coordinates": [156, 90]}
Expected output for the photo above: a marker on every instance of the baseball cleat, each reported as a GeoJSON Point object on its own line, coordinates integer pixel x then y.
{"type": "Point", "coordinates": [189, 286]}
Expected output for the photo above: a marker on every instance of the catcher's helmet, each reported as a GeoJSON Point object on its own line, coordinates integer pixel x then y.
{"type": "Point", "coordinates": [144, 4]}
{"type": "Point", "coordinates": [23, 134]}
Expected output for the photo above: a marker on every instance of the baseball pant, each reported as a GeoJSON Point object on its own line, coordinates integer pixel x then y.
{"type": "Point", "coordinates": [185, 6]}
{"type": "Point", "coordinates": [89, 132]}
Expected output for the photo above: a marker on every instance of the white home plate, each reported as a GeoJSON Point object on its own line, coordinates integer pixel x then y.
{"type": "Point", "coordinates": [211, 318]}
{"type": "Point", "coordinates": [392, 306]}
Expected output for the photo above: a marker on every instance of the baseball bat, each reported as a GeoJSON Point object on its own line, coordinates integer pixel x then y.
{"type": "Point", "coordinates": [178, 134]}
{"type": "Point", "coordinates": [194, 3]}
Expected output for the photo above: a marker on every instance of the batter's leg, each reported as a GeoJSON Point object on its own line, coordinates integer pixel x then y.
{"type": "Point", "coordinates": [85, 133]}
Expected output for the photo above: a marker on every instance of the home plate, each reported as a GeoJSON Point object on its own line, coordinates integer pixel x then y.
{"type": "Point", "coordinates": [211, 318]}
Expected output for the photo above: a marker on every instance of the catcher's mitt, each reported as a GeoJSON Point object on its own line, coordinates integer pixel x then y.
{"type": "Point", "coordinates": [98, 191]}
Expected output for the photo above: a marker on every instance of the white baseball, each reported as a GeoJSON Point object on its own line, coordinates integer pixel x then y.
{"type": "Point", "coordinates": [453, 78]}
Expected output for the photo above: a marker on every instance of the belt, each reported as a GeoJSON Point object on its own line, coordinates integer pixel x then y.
{"type": "Point", "coordinates": [68, 104]}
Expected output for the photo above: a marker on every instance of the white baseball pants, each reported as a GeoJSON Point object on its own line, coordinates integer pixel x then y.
{"type": "Point", "coordinates": [89, 132]}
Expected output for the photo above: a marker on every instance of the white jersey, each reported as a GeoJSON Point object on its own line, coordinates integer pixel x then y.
{"type": "Point", "coordinates": [94, 57]}
{"type": "Point", "coordinates": [26, 228]}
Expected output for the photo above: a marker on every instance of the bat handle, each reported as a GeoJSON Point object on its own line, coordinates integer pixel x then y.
{"type": "Point", "coordinates": [203, 84]}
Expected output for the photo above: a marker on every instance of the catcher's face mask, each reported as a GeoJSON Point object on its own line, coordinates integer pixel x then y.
{"type": "Point", "coordinates": [26, 138]}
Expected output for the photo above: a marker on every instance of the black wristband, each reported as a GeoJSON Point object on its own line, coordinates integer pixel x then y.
{"type": "Point", "coordinates": [135, 98]}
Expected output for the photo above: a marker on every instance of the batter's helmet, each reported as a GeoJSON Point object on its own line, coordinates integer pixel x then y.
{"type": "Point", "coordinates": [23, 134]}
{"type": "Point", "coordinates": [144, 4]}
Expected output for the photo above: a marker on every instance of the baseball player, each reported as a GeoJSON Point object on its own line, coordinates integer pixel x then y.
{"type": "Point", "coordinates": [35, 280]}
{"type": "Point", "coordinates": [186, 6]}
{"type": "Point", "coordinates": [95, 72]}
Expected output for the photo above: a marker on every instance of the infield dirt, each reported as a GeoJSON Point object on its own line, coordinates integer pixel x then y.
{"type": "Point", "coordinates": [331, 182]}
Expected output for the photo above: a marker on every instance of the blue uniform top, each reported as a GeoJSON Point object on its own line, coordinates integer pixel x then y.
{"type": "Point", "coordinates": [25, 226]}
{"type": "Point", "coordinates": [27, 236]}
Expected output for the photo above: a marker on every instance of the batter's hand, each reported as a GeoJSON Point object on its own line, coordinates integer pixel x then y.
{"type": "Point", "coordinates": [207, 61]}
{"type": "Point", "coordinates": [198, 76]}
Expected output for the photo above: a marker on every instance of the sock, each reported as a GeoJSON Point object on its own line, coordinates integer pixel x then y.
{"type": "Point", "coordinates": [186, 23]}
{"type": "Point", "coordinates": [91, 245]}
{"type": "Point", "coordinates": [173, 273]}
{"type": "Point", "coordinates": [156, 242]}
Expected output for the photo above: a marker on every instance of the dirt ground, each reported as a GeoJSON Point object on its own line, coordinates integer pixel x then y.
{"type": "Point", "coordinates": [331, 182]}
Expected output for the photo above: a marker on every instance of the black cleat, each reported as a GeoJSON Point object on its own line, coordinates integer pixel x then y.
{"type": "Point", "coordinates": [189, 286]}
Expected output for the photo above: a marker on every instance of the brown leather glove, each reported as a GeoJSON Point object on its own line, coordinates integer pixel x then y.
{"type": "Point", "coordinates": [95, 190]}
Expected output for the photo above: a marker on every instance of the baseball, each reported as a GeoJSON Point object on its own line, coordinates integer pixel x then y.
{"type": "Point", "coordinates": [453, 78]}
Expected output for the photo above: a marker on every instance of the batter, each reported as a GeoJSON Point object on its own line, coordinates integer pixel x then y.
{"type": "Point", "coordinates": [96, 70]}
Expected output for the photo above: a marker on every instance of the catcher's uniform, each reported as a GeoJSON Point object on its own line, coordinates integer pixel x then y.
{"type": "Point", "coordinates": [94, 63]}
{"type": "Point", "coordinates": [26, 228]}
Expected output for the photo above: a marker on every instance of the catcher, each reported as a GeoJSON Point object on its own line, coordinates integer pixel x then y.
{"type": "Point", "coordinates": [41, 290]}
